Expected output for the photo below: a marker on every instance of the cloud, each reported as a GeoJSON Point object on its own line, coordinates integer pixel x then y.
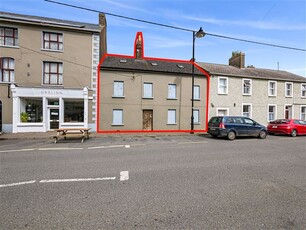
{"type": "Point", "coordinates": [253, 24]}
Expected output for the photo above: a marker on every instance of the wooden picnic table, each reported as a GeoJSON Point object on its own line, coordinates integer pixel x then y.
{"type": "Point", "coordinates": [64, 132]}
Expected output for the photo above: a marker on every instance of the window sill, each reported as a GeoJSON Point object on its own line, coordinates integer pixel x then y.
{"type": "Point", "coordinates": [198, 99]}
{"type": "Point", "coordinates": [171, 98]}
{"type": "Point", "coordinates": [50, 50]}
{"type": "Point", "coordinates": [148, 98]}
{"type": "Point", "coordinates": [117, 124]}
{"type": "Point", "coordinates": [288, 96]}
{"type": "Point", "coordinates": [246, 94]}
{"type": "Point", "coordinates": [172, 124]}
{"type": "Point", "coordinates": [118, 97]}
{"type": "Point", "coordinates": [4, 46]}
{"type": "Point", "coordinates": [271, 95]}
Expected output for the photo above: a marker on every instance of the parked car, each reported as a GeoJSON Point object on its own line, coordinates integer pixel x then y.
{"type": "Point", "coordinates": [233, 126]}
{"type": "Point", "coordinates": [291, 127]}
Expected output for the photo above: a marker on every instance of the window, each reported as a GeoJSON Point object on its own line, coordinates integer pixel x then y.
{"type": "Point", "coordinates": [303, 90]}
{"type": "Point", "coordinates": [222, 112]}
{"type": "Point", "coordinates": [53, 73]}
{"type": "Point", "coordinates": [147, 90]}
{"type": "Point", "coordinates": [7, 69]}
{"type": "Point", "coordinates": [272, 88]}
{"type": "Point", "coordinates": [8, 36]}
{"type": "Point", "coordinates": [196, 92]}
{"type": "Point", "coordinates": [171, 117]}
{"type": "Point", "coordinates": [118, 89]}
{"type": "Point", "coordinates": [73, 110]}
{"type": "Point", "coordinates": [271, 112]}
{"type": "Point", "coordinates": [52, 41]}
{"type": "Point", "coordinates": [196, 116]}
{"type": "Point", "coordinates": [303, 113]}
{"type": "Point", "coordinates": [289, 89]}
{"type": "Point", "coordinates": [31, 110]}
{"type": "Point", "coordinates": [171, 91]}
{"type": "Point", "coordinates": [222, 85]}
{"type": "Point", "coordinates": [246, 110]}
{"type": "Point", "coordinates": [246, 86]}
{"type": "Point", "coordinates": [117, 117]}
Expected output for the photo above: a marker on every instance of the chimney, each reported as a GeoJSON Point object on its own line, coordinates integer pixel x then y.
{"type": "Point", "coordinates": [237, 59]}
{"type": "Point", "coordinates": [138, 46]}
{"type": "Point", "coordinates": [102, 25]}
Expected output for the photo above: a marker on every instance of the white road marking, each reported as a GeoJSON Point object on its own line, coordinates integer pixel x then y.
{"type": "Point", "coordinates": [16, 150]}
{"type": "Point", "coordinates": [127, 146]}
{"type": "Point", "coordinates": [124, 175]}
{"type": "Point", "coordinates": [104, 147]}
{"type": "Point", "coordinates": [76, 180]}
{"type": "Point", "coordinates": [52, 149]}
{"type": "Point", "coordinates": [16, 184]}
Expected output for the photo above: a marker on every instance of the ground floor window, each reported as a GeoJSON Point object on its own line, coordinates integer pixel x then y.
{"type": "Point", "coordinates": [272, 113]}
{"type": "Point", "coordinates": [31, 110]}
{"type": "Point", "coordinates": [246, 110]}
{"type": "Point", "coordinates": [73, 110]}
{"type": "Point", "coordinates": [196, 116]}
{"type": "Point", "coordinates": [222, 112]}
{"type": "Point", "coordinates": [117, 117]}
{"type": "Point", "coordinates": [303, 113]}
{"type": "Point", "coordinates": [171, 117]}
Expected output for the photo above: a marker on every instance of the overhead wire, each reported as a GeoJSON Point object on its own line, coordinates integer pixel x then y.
{"type": "Point", "coordinates": [175, 27]}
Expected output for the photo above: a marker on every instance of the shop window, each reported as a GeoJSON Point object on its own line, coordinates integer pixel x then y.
{"type": "Point", "coordinates": [31, 110]}
{"type": "Point", "coordinates": [73, 111]}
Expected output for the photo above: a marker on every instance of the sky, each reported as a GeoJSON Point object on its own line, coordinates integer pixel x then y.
{"type": "Point", "coordinates": [278, 22]}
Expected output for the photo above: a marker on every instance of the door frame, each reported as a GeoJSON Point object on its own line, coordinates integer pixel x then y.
{"type": "Point", "coordinates": [150, 120]}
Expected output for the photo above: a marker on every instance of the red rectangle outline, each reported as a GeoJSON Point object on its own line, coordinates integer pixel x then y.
{"type": "Point", "coordinates": [150, 131]}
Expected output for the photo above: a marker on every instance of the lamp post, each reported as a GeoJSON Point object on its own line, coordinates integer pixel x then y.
{"type": "Point", "coordinates": [195, 35]}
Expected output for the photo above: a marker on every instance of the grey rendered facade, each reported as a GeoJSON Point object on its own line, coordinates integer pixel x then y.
{"type": "Point", "coordinates": [261, 94]}
{"type": "Point", "coordinates": [139, 94]}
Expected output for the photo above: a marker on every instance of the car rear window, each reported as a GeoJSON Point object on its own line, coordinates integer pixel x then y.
{"type": "Point", "coordinates": [215, 120]}
{"type": "Point", "coordinates": [280, 121]}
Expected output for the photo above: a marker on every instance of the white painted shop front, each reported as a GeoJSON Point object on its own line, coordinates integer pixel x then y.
{"type": "Point", "coordinates": [45, 109]}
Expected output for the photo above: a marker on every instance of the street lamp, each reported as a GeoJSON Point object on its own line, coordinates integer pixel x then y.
{"type": "Point", "coordinates": [195, 35]}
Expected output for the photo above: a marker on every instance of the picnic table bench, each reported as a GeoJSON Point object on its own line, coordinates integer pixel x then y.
{"type": "Point", "coordinates": [64, 132]}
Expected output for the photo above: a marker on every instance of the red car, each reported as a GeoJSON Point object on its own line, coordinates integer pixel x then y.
{"type": "Point", "coordinates": [291, 127]}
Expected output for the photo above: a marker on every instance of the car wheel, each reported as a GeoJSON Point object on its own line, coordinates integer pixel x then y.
{"type": "Point", "coordinates": [262, 134]}
{"type": "Point", "coordinates": [293, 133]}
{"type": "Point", "coordinates": [231, 135]}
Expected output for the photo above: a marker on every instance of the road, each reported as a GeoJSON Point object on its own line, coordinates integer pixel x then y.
{"type": "Point", "coordinates": [167, 182]}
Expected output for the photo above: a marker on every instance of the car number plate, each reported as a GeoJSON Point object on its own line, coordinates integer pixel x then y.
{"type": "Point", "coordinates": [212, 129]}
{"type": "Point", "coordinates": [274, 126]}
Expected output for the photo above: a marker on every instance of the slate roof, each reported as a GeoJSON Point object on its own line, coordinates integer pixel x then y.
{"type": "Point", "coordinates": [227, 70]}
{"type": "Point", "coordinates": [21, 18]}
{"type": "Point", "coordinates": [148, 65]}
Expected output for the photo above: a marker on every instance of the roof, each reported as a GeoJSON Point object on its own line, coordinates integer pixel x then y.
{"type": "Point", "coordinates": [148, 65]}
{"type": "Point", "coordinates": [29, 19]}
{"type": "Point", "coordinates": [250, 72]}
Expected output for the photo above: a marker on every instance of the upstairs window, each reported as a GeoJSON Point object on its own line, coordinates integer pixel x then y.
{"type": "Point", "coordinates": [246, 86]}
{"type": "Point", "coordinates": [289, 89]}
{"type": "Point", "coordinates": [52, 41]}
{"type": "Point", "coordinates": [53, 73]}
{"type": "Point", "coordinates": [196, 92]}
{"type": "Point", "coordinates": [303, 90]}
{"type": "Point", "coordinates": [8, 36]}
{"type": "Point", "coordinates": [118, 89]}
{"type": "Point", "coordinates": [222, 85]}
{"type": "Point", "coordinates": [171, 91]}
{"type": "Point", "coordinates": [272, 88]}
{"type": "Point", "coordinates": [7, 69]}
{"type": "Point", "coordinates": [147, 90]}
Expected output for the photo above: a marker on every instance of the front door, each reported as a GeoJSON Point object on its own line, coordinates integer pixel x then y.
{"type": "Point", "coordinates": [53, 118]}
{"type": "Point", "coordinates": [288, 111]}
{"type": "Point", "coordinates": [147, 119]}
